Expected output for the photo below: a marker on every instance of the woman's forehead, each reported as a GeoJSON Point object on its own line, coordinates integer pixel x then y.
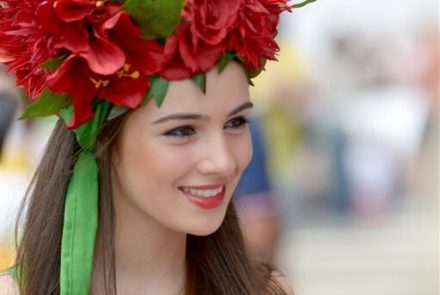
{"type": "Point", "coordinates": [224, 92]}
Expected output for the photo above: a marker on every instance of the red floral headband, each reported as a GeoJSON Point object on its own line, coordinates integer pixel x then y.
{"type": "Point", "coordinates": [72, 51]}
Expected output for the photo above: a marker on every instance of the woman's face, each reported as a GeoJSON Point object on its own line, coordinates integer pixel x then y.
{"type": "Point", "coordinates": [177, 166]}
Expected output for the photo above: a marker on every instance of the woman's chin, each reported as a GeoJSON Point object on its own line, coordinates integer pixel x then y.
{"type": "Point", "coordinates": [205, 229]}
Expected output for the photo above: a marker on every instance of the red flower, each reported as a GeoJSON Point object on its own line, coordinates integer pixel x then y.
{"type": "Point", "coordinates": [24, 45]}
{"type": "Point", "coordinates": [105, 55]}
{"type": "Point", "coordinates": [253, 36]}
{"type": "Point", "coordinates": [124, 88]}
{"type": "Point", "coordinates": [86, 74]}
{"type": "Point", "coordinates": [200, 38]}
{"type": "Point", "coordinates": [77, 27]}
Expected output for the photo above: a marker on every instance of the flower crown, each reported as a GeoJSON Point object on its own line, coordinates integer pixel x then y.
{"type": "Point", "coordinates": [73, 52]}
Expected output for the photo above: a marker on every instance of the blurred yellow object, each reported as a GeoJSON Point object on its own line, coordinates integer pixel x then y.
{"type": "Point", "coordinates": [283, 133]}
{"type": "Point", "coordinates": [291, 70]}
{"type": "Point", "coordinates": [17, 161]}
{"type": "Point", "coordinates": [280, 96]}
{"type": "Point", "coordinates": [6, 257]}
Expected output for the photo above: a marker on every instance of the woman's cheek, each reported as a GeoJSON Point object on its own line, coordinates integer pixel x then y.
{"type": "Point", "coordinates": [243, 149]}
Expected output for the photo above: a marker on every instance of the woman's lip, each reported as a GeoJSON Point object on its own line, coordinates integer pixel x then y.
{"type": "Point", "coordinates": [208, 202]}
{"type": "Point", "coordinates": [206, 186]}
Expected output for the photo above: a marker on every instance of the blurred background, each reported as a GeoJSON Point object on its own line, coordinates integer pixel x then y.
{"type": "Point", "coordinates": [343, 191]}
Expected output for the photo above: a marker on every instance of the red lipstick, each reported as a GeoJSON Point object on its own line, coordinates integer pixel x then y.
{"type": "Point", "coordinates": [206, 202]}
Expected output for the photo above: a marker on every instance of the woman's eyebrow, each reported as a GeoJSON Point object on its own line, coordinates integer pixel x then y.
{"type": "Point", "coordinates": [181, 117]}
{"type": "Point", "coordinates": [185, 116]}
{"type": "Point", "coordinates": [240, 108]}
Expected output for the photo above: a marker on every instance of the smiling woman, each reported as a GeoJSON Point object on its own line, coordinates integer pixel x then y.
{"type": "Point", "coordinates": [133, 193]}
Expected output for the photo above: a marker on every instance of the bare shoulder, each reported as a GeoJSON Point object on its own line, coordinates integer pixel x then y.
{"type": "Point", "coordinates": [282, 281]}
{"type": "Point", "coordinates": [8, 286]}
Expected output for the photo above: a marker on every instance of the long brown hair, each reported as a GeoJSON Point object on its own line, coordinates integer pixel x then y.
{"type": "Point", "coordinates": [216, 264]}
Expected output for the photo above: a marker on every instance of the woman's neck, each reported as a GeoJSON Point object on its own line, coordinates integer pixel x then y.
{"type": "Point", "coordinates": [139, 247]}
{"type": "Point", "coordinates": [149, 258]}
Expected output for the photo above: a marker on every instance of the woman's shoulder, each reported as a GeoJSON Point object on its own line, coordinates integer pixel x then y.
{"type": "Point", "coordinates": [8, 285]}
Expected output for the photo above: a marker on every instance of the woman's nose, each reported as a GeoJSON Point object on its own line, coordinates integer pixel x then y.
{"type": "Point", "coordinates": [217, 157]}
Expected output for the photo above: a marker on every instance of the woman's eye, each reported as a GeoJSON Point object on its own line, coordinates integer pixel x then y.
{"type": "Point", "coordinates": [181, 131]}
{"type": "Point", "coordinates": [237, 123]}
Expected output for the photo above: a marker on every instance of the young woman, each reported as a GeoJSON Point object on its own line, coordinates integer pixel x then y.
{"type": "Point", "coordinates": [133, 194]}
{"type": "Point", "coordinates": [167, 225]}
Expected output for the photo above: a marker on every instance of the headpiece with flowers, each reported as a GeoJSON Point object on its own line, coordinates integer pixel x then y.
{"type": "Point", "coordinates": [90, 60]}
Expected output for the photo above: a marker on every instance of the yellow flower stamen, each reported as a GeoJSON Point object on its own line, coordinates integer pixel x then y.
{"type": "Point", "coordinates": [124, 72]}
{"type": "Point", "coordinates": [135, 75]}
{"type": "Point", "coordinates": [100, 83]}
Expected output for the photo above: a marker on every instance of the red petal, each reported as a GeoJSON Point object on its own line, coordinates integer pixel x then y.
{"type": "Point", "coordinates": [147, 55]}
{"type": "Point", "coordinates": [72, 36]}
{"type": "Point", "coordinates": [74, 10]}
{"type": "Point", "coordinates": [176, 71]}
{"type": "Point", "coordinates": [207, 56]}
{"type": "Point", "coordinates": [187, 54]}
{"type": "Point", "coordinates": [170, 49]}
{"type": "Point", "coordinates": [48, 18]}
{"type": "Point", "coordinates": [75, 38]}
{"type": "Point", "coordinates": [112, 21]}
{"type": "Point", "coordinates": [104, 57]}
{"type": "Point", "coordinates": [72, 77]}
{"type": "Point", "coordinates": [126, 92]}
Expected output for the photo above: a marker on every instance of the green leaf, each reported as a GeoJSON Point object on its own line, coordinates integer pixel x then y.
{"type": "Point", "coordinates": [252, 73]}
{"type": "Point", "coordinates": [157, 18]}
{"type": "Point", "coordinates": [200, 80]}
{"type": "Point", "coordinates": [87, 133]}
{"type": "Point", "coordinates": [239, 58]}
{"type": "Point", "coordinates": [116, 111]}
{"type": "Point", "coordinates": [224, 60]}
{"type": "Point", "coordinates": [158, 89]}
{"type": "Point", "coordinates": [302, 4]}
{"type": "Point", "coordinates": [53, 63]}
{"type": "Point", "coordinates": [47, 104]}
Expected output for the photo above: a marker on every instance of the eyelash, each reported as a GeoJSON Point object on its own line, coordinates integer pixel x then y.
{"type": "Point", "coordinates": [188, 130]}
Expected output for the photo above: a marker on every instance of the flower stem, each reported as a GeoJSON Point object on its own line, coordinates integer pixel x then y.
{"type": "Point", "coordinates": [302, 4]}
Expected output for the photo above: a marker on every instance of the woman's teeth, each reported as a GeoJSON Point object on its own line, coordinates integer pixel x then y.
{"type": "Point", "coordinates": [203, 193]}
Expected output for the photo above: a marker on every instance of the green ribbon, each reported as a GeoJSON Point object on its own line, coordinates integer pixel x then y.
{"type": "Point", "coordinates": [81, 208]}
{"type": "Point", "coordinates": [80, 225]}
